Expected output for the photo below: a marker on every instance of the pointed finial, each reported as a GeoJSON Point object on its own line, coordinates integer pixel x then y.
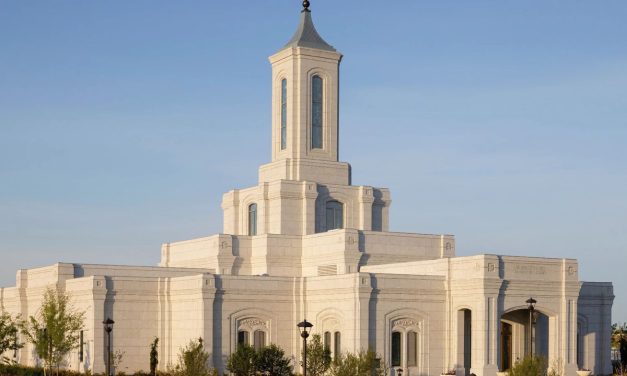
{"type": "Point", "coordinates": [306, 5]}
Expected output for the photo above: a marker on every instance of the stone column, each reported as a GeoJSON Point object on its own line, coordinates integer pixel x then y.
{"type": "Point", "coordinates": [98, 346]}
{"type": "Point", "coordinates": [363, 291]}
{"type": "Point", "coordinates": [485, 337]}
{"type": "Point", "coordinates": [366, 199]}
{"type": "Point", "coordinates": [310, 193]}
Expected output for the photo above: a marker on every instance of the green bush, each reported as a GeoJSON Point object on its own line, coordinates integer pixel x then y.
{"type": "Point", "coordinates": [242, 361]}
{"type": "Point", "coordinates": [318, 357]}
{"type": "Point", "coordinates": [193, 360]}
{"type": "Point", "coordinates": [271, 360]}
{"type": "Point", "coordinates": [364, 363]}
{"type": "Point", "coordinates": [529, 366]}
{"type": "Point", "coordinates": [18, 370]}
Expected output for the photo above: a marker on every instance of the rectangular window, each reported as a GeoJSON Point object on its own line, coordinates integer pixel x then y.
{"type": "Point", "coordinates": [396, 349]}
{"type": "Point", "coordinates": [242, 337]}
{"type": "Point", "coordinates": [337, 346]}
{"type": "Point", "coordinates": [327, 340]}
{"type": "Point", "coordinates": [412, 350]}
{"type": "Point", "coordinates": [260, 339]}
{"type": "Point", "coordinates": [335, 215]}
{"type": "Point", "coordinates": [283, 114]}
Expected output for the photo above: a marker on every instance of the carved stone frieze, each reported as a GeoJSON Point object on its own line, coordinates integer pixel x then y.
{"type": "Point", "coordinates": [253, 323]}
{"type": "Point", "coordinates": [406, 324]}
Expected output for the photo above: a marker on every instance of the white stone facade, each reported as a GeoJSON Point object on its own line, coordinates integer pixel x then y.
{"type": "Point", "coordinates": [288, 254]}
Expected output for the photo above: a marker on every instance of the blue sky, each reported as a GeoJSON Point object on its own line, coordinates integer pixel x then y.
{"type": "Point", "coordinates": [504, 123]}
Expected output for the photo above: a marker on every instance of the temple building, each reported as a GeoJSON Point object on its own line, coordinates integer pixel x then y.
{"type": "Point", "coordinates": [306, 243]}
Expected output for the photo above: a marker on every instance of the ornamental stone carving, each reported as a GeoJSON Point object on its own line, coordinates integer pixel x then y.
{"type": "Point", "coordinates": [253, 323]}
{"type": "Point", "coordinates": [406, 324]}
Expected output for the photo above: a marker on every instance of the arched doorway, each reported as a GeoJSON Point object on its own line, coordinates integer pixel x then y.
{"type": "Point", "coordinates": [516, 342]}
{"type": "Point", "coordinates": [464, 340]}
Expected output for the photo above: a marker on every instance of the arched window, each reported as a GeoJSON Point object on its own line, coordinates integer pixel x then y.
{"type": "Point", "coordinates": [252, 219]}
{"type": "Point", "coordinates": [327, 340]}
{"type": "Point", "coordinates": [242, 338]}
{"type": "Point", "coordinates": [260, 339]}
{"type": "Point", "coordinates": [396, 349]}
{"type": "Point", "coordinates": [316, 112]}
{"type": "Point", "coordinates": [335, 215]}
{"type": "Point", "coordinates": [283, 114]}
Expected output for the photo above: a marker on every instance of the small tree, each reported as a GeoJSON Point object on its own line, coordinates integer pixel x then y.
{"type": "Point", "coordinates": [271, 360]}
{"type": "Point", "coordinates": [318, 357]}
{"type": "Point", "coordinates": [243, 361]}
{"type": "Point", "coordinates": [55, 330]}
{"type": "Point", "coordinates": [364, 363]}
{"type": "Point", "coordinates": [529, 366]}
{"type": "Point", "coordinates": [154, 356]}
{"type": "Point", "coordinates": [8, 334]}
{"type": "Point", "coordinates": [193, 359]}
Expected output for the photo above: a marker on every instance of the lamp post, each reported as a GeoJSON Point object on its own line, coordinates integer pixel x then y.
{"type": "Point", "coordinates": [399, 371]}
{"type": "Point", "coordinates": [531, 305]}
{"type": "Point", "coordinates": [304, 326]}
{"type": "Point", "coordinates": [108, 327]}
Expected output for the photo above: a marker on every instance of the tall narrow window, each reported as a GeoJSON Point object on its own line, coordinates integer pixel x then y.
{"type": "Point", "coordinates": [242, 338]}
{"type": "Point", "coordinates": [260, 339]}
{"type": "Point", "coordinates": [252, 219]}
{"type": "Point", "coordinates": [396, 349]}
{"type": "Point", "coordinates": [335, 215]}
{"type": "Point", "coordinates": [327, 340]}
{"type": "Point", "coordinates": [316, 112]}
{"type": "Point", "coordinates": [283, 114]}
{"type": "Point", "coordinates": [337, 345]}
{"type": "Point", "coordinates": [412, 350]}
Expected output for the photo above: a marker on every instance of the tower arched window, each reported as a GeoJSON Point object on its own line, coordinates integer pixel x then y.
{"type": "Point", "coordinates": [283, 114]}
{"type": "Point", "coordinates": [252, 219]}
{"type": "Point", "coordinates": [335, 215]}
{"type": "Point", "coordinates": [316, 112]}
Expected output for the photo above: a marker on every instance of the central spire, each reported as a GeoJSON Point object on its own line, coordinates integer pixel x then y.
{"type": "Point", "coordinates": [306, 34]}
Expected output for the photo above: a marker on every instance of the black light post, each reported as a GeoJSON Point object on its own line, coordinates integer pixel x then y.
{"type": "Point", "coordinates": [531, 305]}
{"type": "Point", "coordinates": [399, 372]}
{"type": "Point", "coordinates": [304, 326]}
{"type": "Point", "coordinates": [108, 327]}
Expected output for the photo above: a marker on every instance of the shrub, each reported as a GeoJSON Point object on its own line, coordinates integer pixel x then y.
{"type": "Point", "coordinates": [529, 366]}
{"type": "Point", "coordinates": [318, 357]}
{"type": "Point", "coordinates": [154, 356]}
{"type": "Point", "coordinates": [242, 361]}
{"type": "Point", "coordinates": [364, 363]}
{"type": "Point", "coordinates": [193, 360]}
{"type": "Point", "coordinates": [271, 360]}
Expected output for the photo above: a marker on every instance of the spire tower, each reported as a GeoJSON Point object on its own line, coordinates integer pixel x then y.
{"type": "Point", "coordinates": [305, 97]}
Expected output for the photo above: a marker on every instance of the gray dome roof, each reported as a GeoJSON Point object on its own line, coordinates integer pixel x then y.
{"type": "Point", "coordinates": [307, 36]}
